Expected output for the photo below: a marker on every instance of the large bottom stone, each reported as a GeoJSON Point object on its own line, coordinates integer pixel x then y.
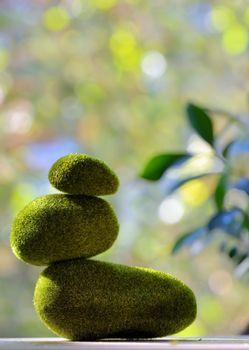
{"type": "Point", "coordinates": [88, 299]}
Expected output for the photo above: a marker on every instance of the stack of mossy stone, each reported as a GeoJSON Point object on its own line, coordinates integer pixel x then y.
{"type": "Point", "coordinates": [85, 299]}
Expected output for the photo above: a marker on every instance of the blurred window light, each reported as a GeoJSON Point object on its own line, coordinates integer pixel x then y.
{"type": "Point", "coordinates": [235, 39]}
{"type": "Point", "coordinates": [171, 211]}
{"type": "Point", "coordinates": [154, 64]}
{"type": "Point", "coordinates": [222, 17]}
{"type": "Point", "coordinates": [56, 18]}
{"type": "Point", "coordinates": [194, 192]}
{"type": "Point", "coordinates": [104, 4]}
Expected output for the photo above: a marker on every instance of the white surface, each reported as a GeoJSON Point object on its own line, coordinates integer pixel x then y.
{"type": "Point", "coordinates": [170, 343]}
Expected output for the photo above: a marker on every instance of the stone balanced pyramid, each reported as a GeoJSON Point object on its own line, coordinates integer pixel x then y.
{"type": "Point", "coordinates": [84, 299]}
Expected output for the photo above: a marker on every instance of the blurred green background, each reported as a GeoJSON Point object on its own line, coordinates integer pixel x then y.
{"type": "Point", "coordinates": [111, 78]}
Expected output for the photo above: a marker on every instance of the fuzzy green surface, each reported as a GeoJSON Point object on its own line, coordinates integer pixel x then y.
{"type": "Point", "coordinates": [88, 300]}
{"type": "Point", "coordinates": [82, 174]}
{"type": "Point", "coordinates": [60, 227]}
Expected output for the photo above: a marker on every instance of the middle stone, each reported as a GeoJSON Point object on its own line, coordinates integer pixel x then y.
{"type": "Point", "coordinates": [61, 227]}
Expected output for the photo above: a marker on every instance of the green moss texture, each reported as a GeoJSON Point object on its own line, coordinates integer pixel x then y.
{"type": "Point", "coordinates": [88, 300]}
{"type": "Point", "coordinates": [60, 227]}
{"type": "Point", "coordinates": [82, 174]}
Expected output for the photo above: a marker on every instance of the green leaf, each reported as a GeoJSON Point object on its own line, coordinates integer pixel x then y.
{"type": "Point", "coordinates": [242, 184]}
{"type": "Point", "coordinates": [236, 147]}
{"type": "Point", "coordinates": [241, 258]}
{"type": "Point", "coordinates": [225, 151]}
{"type": "Point", "coordinates": [220, 191]}
{"type": "Point", "coordinates": [201, 122]}
{"type": "Point", "coordinates": [232, 252]}
{"type": "Point", "coordinates": [180, 182]}
{"type": "Point", "coordinates": [237, 255]}
{"type": "Point", "coordinates": [156, 167]}
{"type": "Point", "coordinates": [229, 221]}
{"type": "Point", "coordinates": [188, 239]}
{"type": "Point", "coordinates": [246, 222]}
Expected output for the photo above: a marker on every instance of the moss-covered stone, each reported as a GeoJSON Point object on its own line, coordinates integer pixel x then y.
{"type": "Point", "coordinates": [60, 227]}
{"type": "Point", "coordinates": [87, 299]}
{"type": "Point", "coordinates": [82, 174]}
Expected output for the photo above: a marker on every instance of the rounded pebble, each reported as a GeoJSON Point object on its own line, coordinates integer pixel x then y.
{"type": "Point", "coordinates": [83, 174]}
{"type": "Point", "coordinates": [60, 227]}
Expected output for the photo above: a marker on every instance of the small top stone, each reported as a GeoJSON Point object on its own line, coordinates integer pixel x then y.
{"type": "Point", "coordinates": [83, 174]}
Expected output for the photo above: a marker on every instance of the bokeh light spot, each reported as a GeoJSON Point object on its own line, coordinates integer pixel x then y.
{"type": "Point", "coordinates": [19, 122]}
{"type": "Point", "coordinates": [171, 211]}
{"type": "Point", "coordinates": [125, 50]}
{"type": "Point", "coordinates": [104, 4]}
{"type": "Point", "coordinates": [56, 18]}
{"type": "Point", "coordinates": [19, 118]}
{"type": "Point", "coordinates": [154, 64]}
{"type": "Point", "coordinates": [122, 42]}
{"type": "Point", "coordinates": [194, 192]}
{"type": "Point", "coordinates": [235, 39]}
{"type": "Point", "coordinates": [222, 17]}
